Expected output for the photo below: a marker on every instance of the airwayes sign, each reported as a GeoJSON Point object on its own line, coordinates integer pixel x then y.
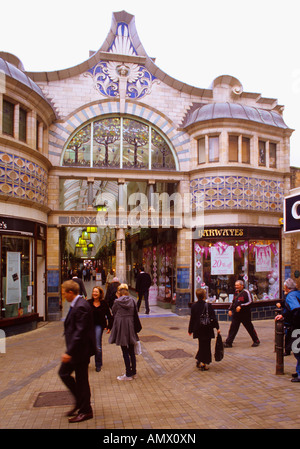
{"type": "Point", "coordinates": [291, 218]}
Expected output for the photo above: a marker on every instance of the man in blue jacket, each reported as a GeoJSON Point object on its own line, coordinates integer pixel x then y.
{"type": "Point", "coordinates": [291, 315]}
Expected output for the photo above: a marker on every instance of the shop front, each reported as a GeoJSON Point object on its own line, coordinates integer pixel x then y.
{"type": "Point", "coordinates": [252, 254]}
{"type": "Point", "coordinates": [155, 251]}
{"type": "Point", "coordinates": [22, 274]}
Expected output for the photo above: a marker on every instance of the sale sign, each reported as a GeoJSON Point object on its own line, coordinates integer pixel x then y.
{"type": "Point", "coordinates": [263, 260]}
{"type": "Point", "coordinates": [222, 260]}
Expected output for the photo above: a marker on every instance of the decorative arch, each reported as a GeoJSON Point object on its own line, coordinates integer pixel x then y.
{"type": "Point", "coordinates": [61, 133]}
{"type": "Point", "coordinates": [117, 141]}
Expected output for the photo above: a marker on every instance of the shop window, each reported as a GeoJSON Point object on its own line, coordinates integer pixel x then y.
{"type": "Point", "coordinates": [261, 153]}
{"type": "Point", "coordinates": [245, 150]}
{"type": "Point", "coordinates": [16, 275]}
{"type": "Point", "coordinates": [233, 150]}
{"type": "Point", "coordinates": [272, 155]}
{"type": "Point", "coordinates": [264, 269]}
{"type": "Point", "coordinates": [213, 149]}
{"type": "Point", "coordinates": [218, 264]}
{"type": "Point", "coordinates": [8, 118]}
{"type": "Point", "coordinates": [201, 151]}
{"type": "Point", "coordinates": [22, 125]}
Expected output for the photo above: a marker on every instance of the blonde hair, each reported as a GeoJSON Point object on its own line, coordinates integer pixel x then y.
{"type": "Point", "coordinates": [123, 289]}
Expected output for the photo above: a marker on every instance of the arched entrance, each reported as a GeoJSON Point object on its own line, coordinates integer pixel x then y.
{"type": "Point", "coordinates": [112, 169]}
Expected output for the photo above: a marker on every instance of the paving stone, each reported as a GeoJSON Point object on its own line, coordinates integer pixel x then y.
{"type": "Point", "coordinates": [240, 392]}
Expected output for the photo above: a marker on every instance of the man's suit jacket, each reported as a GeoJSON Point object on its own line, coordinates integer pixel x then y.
{"type": "Point", "coordinates": [80, 332]}
{"type": "Point", "coordinates": [143, 282]}
{"type": "Point", "coordinates": [81, 285]}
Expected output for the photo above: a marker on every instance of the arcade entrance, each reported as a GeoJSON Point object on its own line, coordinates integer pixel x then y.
{"type": "Point", "coordinates": [96, 254]}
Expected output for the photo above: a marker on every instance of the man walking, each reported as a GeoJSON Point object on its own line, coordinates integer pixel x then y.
{"type": "Point", "coordinates": [143, 283]}
{"type": "Point", "coordinates": [82, 290]}
{"type": "Point", "coordinates": [80, 346]}
{"type": "Point", "coordinates": [240, 310]}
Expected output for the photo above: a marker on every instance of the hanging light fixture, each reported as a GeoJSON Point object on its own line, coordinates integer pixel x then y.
{"type": "Point", "coordinates": [85, 235]}
{"type": "Point", "coordinates": [82, 242]}
{"type": "Point", "coordinates": [92, 229]}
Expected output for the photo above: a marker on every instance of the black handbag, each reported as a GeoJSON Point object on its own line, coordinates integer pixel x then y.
{"type": "Point", "coordinates": [204, 317]}
{"type": "Point", "coordinates": [219, 349]}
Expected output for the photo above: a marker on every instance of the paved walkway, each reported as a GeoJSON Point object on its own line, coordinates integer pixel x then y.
{"type": "Point", "coordinates": [240, 392]}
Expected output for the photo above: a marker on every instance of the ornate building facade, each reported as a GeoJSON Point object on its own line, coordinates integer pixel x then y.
{"type": "Point", "coordinates": [119, 150]}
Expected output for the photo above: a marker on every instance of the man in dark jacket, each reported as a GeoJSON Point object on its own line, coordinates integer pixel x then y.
{"type": "Point", "coordinates": [80, 346]}
{"type": "Point", "coordinates": [240, 310]}
{"type": "Point", "coordinates": [143, 283]}
{"type": "Point", "coordinates": [82, 290]}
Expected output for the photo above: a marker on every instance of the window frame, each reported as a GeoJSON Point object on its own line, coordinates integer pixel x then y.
{"type": "Point", "coordinates": [22, 127]}
{"type": "Point", "coordinates": [210, 137]}
{"type": "Point", "coordinates": [11, 119]}
{"type": "Point", "coordinates": [121, 118]}
{"type": "Point", "coordinates": [203, 148]}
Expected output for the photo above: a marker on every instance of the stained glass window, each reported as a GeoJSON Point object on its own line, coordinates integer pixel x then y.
{"type": "Point", "coordinates": [77, 152]}
{"type": "Point", "coordinates": [161, 157]}
{"type": "Point", "coordinates": [106, 143]}
{"type": "Point", "coordinates": [136, 144]}
{"type": "Point", "coordinates": [119, 143]}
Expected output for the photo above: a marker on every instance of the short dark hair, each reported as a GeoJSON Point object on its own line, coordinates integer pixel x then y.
{"type": "Point", "coordinates": [71, 286]}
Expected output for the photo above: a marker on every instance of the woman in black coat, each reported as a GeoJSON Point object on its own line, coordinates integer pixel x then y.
{"type": "Point", "coordinates": [203, 333]}
{"type": "Point", "coordinates": [102, 320]}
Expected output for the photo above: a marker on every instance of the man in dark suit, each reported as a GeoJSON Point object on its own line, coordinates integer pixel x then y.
{"type": "Point", "coordinates": [82, 290]}
{"type": "Point", "coordinates": [80, 346]}
{"type": "Point", "coordinates": [143, 283]}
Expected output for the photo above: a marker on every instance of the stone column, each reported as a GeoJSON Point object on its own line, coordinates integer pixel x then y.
{"type": "Point", "coordinates": [150, 192]}
{"type": "Point", "coordinates": [184, 262]}
{"type": "Point", "coordinates": [122, 195]}
{"type": "Point", "coordinates": [184, 286]}
{"type": "Point", "coordinates": [40, 135]}
{"type": "Point", "coordinates": [16, 121]}
{"type": "Point", "coordinates": [90, 193]}
{"type": "Point", "coordinates": [31, 129]}
{"type": "Point", "coordinates": [53, 275]}
{"type": "Point", "coordinates": [120, 255]}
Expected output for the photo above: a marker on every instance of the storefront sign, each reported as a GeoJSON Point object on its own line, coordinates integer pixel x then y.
{"type": "Point", "coordinates": [224, 232]}
{"type": "Point", "coordinates": [222, 260]}
{"type": "Point", "coordinates": [16, 226]}
{"type": "Point", "coordinates": [13, 277]}
{"type": "Point", "coordinates": [291, 218]}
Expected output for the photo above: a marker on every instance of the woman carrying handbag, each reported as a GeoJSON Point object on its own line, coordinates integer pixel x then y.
{"type": "Point", "coordinates": [124, 331]}
{"type": "Point", "coordinates": [203, 320]}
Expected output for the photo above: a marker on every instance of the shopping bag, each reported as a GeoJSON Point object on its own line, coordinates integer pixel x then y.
{"type": "Point", "coordinates": [219, 349]}
{"type": "Point", "coordinates": [138, 348]}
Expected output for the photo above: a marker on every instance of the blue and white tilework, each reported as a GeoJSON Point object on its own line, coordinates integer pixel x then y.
{"type": "Point", "coordinates": [23, 179]}
{"type": "Point", "coordinates": [238, 192]}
